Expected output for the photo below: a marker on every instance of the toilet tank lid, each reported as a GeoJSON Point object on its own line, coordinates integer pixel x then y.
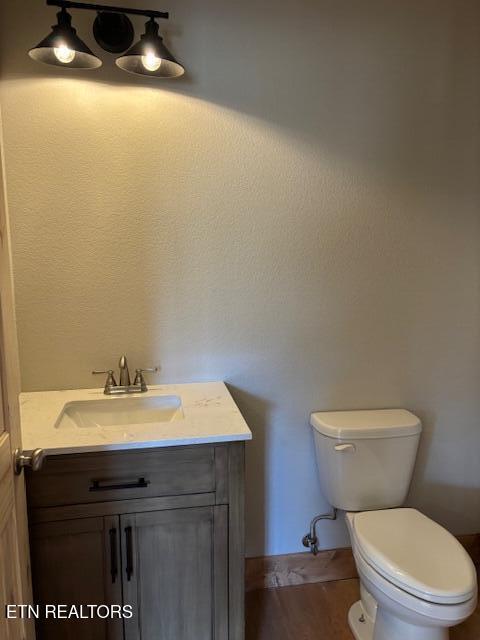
{"type": "Point", "coordinates": [374, 423]}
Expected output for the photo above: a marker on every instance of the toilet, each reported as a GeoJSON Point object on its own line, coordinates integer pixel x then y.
{"type": "Point", "coordinates": [416, 579]}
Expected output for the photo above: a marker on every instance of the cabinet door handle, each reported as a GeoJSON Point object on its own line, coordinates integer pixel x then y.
{"type": "Point", "coordinates": [129, 541]}
{"type": "Point", "coordinates": [113, 554]}
{"type": "Point", "coordinates": [97, 485]}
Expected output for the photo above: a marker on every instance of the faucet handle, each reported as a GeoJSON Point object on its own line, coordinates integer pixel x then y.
{"type": "Point", "coordinates": [110, 381]}
{"type": "Point", "coordinates": [140, 380]}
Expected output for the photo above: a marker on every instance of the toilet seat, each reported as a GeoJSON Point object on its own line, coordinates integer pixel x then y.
{"type": "Point", "coordinates": [407, 606]}
{"type": "Point", "coordinates": [415, 554]}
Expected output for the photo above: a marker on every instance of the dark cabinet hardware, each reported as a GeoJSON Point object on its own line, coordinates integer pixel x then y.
{"type": "Point", "coordinates": [129, 542]}
{"type": "Point", "coordinates": [97, 485]}
{"type": "Point", "coordinates": [113, 554]}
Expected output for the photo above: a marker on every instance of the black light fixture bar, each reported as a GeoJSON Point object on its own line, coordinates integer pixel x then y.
{"type": "Point", "coordinates": [67, 4]}
{"type": "Point", "coordinates": [113, 32]}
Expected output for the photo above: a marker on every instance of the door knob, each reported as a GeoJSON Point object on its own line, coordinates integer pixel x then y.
{"type": "Point", "coordinates": [34, 461]}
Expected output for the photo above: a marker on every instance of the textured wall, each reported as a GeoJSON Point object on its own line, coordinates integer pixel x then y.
{"type": "Point", "coordinates": [298, 216]}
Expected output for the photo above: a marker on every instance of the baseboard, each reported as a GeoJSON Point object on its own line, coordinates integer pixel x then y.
{"type": "Point", "coordinates": [267, 572]}
{"type": "Point", "coordinates": [299, 568]}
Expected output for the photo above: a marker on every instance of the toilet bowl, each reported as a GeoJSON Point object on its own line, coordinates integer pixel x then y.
{"type": "Point", "coordinates": [417, 580]}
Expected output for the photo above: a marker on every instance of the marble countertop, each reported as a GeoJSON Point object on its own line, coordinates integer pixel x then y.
{"type": "Point", "coordinates": [210, 415]}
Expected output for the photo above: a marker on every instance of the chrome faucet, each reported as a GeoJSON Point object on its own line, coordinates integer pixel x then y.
{"type": "Point", "coordinates": [112, 388]}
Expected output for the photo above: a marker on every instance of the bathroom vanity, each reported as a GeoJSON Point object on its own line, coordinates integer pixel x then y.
{"type": "Point", "coordinates": [147, 514]}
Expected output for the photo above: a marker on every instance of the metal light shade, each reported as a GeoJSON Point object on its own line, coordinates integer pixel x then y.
{"type": "Point", "coordinates": [150, 57]}
{"type": "Point", "coordinates": [64, 48]}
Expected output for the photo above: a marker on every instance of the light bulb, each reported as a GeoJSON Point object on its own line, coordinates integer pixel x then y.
{"type": "Point", "coordinates": [64, 54]}
{"type": "Point", "coordinates": [151, 62]}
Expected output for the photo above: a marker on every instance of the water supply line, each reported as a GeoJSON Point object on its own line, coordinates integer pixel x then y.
{"type": "Point", "coordinates": [310, 539]}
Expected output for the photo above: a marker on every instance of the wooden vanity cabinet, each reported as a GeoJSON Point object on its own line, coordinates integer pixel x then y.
{"type": "Point", "coordinates": [176, 558]}
{"type": "Point", "coordinates": [179, 578]}
{"type": "Point", "coordinates": [72, 563]}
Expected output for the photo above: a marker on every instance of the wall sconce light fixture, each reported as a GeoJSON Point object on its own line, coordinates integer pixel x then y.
{"type": "Point", "coordinates": [63, 47]}
{"type": "Point", "coordinates": [113, 31]}
{"type": "Point", "coordinates": [149, 56]}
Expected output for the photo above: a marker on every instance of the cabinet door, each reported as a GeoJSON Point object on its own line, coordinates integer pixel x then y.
{"type": "Point", "coordinates": [77, 562]}
{"type": "Point", "coordinates": [175, 574]}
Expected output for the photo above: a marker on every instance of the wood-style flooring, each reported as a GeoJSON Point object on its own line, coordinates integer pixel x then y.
{"type": "Point", "coordinates": [316, 612]}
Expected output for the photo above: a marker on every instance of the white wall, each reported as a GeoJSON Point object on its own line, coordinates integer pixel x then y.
{"type": "Point", "coordinates": [298, 216]}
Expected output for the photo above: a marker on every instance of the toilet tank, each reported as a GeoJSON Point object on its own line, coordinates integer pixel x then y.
{"type": "Point", "coordinates": [365, 458]}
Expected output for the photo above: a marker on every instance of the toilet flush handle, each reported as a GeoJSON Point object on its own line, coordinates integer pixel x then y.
{"type": "Point", "coordinates": [345, 446]}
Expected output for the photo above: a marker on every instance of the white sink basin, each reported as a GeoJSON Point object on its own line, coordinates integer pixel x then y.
{"type": "Point", "coordinates": [117, 412]}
